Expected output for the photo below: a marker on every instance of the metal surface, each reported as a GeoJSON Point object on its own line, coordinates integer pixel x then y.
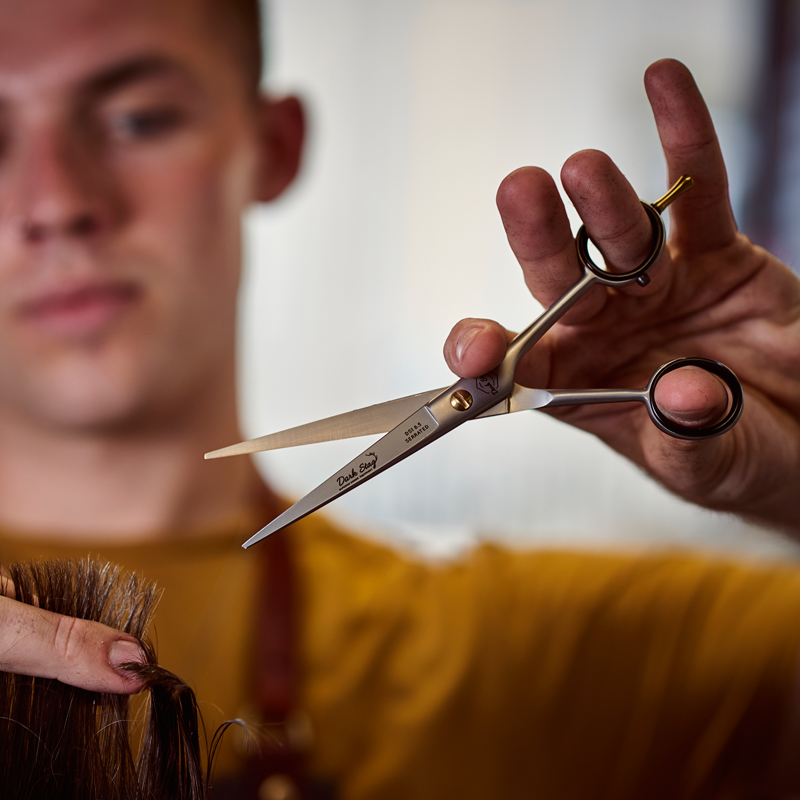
{"type": "Point", "coordinates": [415, 432]}
{"type": "Point", "coordinates": [363, 422]}
{"type": "Point", "coordinates": [570, 397]}
{"type": "Point", "coordinates": [414, 422]}
{"type": "Point", "coordinates": [461, 400]}
{"type": "Point", "coordinates": [683, 184]}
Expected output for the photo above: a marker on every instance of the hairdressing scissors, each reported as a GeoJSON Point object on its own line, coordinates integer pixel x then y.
{"type": "Point", "coordinates": [415, 421]}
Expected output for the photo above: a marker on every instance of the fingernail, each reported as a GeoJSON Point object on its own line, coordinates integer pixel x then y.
{"type": "Point", "coordinates": [122, 652]}
{"type": "Point", "coordinates": [465, 340]}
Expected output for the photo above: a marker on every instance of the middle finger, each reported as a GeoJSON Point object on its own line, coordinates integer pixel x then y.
{"type": "Point", "coordinates": [615, 219]}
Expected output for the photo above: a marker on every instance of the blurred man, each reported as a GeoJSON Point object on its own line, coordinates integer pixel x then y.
{"type": "Point", "coordinates": [133, 138]}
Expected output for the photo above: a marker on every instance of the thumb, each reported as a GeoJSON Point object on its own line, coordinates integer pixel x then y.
{"type": "Point", "coordinates": [75, 651]}
{"type": "Point", "coordinates": [475, 346]}
{"type": "Point", "coordinates": [696, 469]}
{"type": "Point", "coordinates": [692, 397]}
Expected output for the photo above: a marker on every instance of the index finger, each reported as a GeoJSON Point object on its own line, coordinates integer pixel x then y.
{"type": "Point", "coordinates": [75, 651]}
{"type": "Point", "coordinates": [539, 233]}
{"type": "Point", "coordinates": [703, 220]}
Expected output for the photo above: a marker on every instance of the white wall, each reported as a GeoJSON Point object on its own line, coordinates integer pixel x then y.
{"type": "Point", "coordinates": [417, 110]}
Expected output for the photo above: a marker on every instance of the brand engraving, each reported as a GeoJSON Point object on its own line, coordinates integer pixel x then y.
{"type": "Point", "coordinates": [364, 468]}
{"type": "Point", "coordinates": [487, 383]}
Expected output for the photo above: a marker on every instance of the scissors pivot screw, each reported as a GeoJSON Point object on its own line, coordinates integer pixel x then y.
{"type": "Point", "coordinates": [461, 400]}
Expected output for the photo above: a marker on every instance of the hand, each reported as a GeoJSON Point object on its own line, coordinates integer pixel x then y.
{"type": "Point", "coordinates": [75, 651]}
{"type": "Point", "coordinates": [713, 294]}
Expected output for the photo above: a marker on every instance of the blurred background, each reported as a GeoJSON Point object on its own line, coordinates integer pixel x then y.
{"type": "Point", "coordinates": [417, 111]}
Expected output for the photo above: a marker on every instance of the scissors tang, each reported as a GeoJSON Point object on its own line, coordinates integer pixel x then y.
{"type": "Point", "coordinates": [522, 399]}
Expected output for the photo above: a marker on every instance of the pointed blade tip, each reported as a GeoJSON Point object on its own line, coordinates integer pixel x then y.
{"type": "Point", "coordinates": [253, 540]}
{"type": "Point", "coordinates": [262, 534]}
{"type": "Point", "coordinates": [225, 452]}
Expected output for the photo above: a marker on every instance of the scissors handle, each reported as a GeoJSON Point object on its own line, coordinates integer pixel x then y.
{"type": "Point", "coordinates": [648, 397]}
{"type": "Point", "coordinates": [593, 274]}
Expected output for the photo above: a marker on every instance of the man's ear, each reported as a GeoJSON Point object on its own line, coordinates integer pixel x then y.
{"type": "Point", "coordinates": [282, 128]}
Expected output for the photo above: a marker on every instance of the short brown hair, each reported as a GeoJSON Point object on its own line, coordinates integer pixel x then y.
{"type": "Point", "coordinates": [242, 20]}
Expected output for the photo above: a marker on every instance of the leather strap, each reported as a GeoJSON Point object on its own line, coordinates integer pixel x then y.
{"type": "Point", "coordinates": [278, 768]}
{"type": "Point", "coordinates": [276, 628]}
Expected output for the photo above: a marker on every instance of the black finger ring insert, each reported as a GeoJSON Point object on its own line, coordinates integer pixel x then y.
{"type": "Point", "coordinates": [638, 274]}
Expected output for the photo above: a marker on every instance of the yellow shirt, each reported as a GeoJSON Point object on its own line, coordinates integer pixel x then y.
{"type": "Point", "coordinates": [503, 675]}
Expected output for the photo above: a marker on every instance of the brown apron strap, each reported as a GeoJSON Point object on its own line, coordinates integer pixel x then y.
{"type": "Point", "coordinates": [275, 646]}
{"type": "Point", "coordinates": [277, 771]}
{"type": "Point", "coordinates": [278, 768]}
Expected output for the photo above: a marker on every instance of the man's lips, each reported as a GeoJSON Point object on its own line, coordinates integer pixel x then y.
{"type": "Point", "coordinates": [81, 311]}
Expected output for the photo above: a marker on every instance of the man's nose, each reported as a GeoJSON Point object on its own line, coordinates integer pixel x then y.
{"type": "Point", "coordinates": [62, 190]}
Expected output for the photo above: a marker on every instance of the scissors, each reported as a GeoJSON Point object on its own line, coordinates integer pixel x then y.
{"type": "Point", "coordinates": [411, 423]}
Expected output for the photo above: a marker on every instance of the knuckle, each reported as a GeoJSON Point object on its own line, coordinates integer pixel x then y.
{"type": "Point", "coordinates": [69, 639]}
{"type": "Point", "coordinates": [626, 231]}
{"type": "Point", "coordinates": [10, 628]}
{"type": "Point", "coordinates": [698, 146]}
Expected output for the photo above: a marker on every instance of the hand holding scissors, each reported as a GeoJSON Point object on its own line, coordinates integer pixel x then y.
{"type": "Point", "coordinates": [416, 421]}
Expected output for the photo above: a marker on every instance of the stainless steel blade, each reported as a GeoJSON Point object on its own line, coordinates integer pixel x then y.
{"type": "Point", "coordinates": [400, 442]}
{"type": "Point", "coordinates": [379, 418]}
{"type": "Point", "coordinates": [442, 413]}
{"type": "Point", "coordinates": [464, 400]}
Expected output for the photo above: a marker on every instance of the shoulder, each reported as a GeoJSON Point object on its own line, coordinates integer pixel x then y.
{"type": "Point", "coordinates": [330, 555]}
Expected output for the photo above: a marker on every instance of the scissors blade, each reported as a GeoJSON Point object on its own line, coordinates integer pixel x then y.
{"type": "Point", "coordinates": [404, 439]}
{"type": "Point", "coordinates": [464, 400]}
{"type": "Point", "coordinates": [379, 418]}
{"type": "Point", "coordinates": [439, 415]}
{"type": "Point", "coordinates": [371, 420]}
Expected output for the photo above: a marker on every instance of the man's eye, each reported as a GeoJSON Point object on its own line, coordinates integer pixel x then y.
{"type": "Point", "coordinates": [148, 124]}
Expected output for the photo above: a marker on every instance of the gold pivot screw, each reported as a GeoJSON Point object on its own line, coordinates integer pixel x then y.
{"type": "Point", "coordinates": [461, 400]}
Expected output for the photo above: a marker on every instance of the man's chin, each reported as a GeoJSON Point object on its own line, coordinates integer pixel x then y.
{"type": "Point", "coordinates": [97, 404]}
{"type": "Point", "coordinates": [93, 416]}
{"type": "Point", "coordinates": [133, 382]}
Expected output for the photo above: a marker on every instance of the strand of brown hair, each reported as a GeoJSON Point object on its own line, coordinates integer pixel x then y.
{"type": "Point", "coordinates": [59, 741]}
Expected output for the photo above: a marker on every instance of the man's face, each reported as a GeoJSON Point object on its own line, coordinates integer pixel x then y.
{"type": "Point", "coordinates": [128, 150]}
